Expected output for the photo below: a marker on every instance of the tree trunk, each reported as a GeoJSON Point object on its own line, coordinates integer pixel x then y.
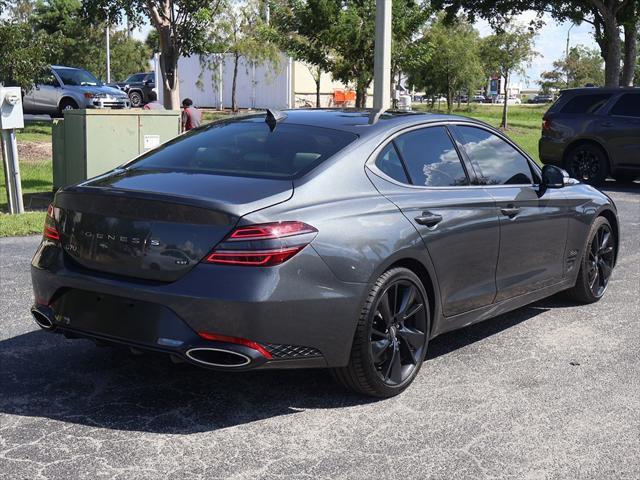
{"type": "Point", "coordinates": [234, 103]}
{"type": "Point", "coordinates": [317, 79]}
{"type": "Point", "coordinates": [169, 54]}
{"type": "Point", "coordinates": [612, 52]}
{"type": "Point", "coordinates": [449, 99]}
{"type": "Point", "coordinates": [630, 52]}
{"type": "Point", "coordinates": [505, 107]}
{"type": "Point", "coordinates": [361, 94]}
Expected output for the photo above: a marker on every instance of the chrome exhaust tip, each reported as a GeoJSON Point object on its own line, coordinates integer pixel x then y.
{"type": "Point", "coordinates": [217, 357]}
{"type": "Point", "coordinates": [44, 320]}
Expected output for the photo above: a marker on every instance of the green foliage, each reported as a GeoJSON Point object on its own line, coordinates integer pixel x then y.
{"type": "Point", "coordinates": [450, 61]}
{"type": "Point", "coordinates": [24, 54]}
{"type": "Point", "coordinates": [80, 43]}
{"type": "Point", "coordinates": [582, 66]}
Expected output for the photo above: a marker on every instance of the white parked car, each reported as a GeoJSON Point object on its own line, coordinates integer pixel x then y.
{"type": "Point", "coordinates": [512, 100]}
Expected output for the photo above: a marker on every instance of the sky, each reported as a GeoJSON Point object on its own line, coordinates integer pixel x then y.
{"type": "Point", "coordinates": [550, 43]}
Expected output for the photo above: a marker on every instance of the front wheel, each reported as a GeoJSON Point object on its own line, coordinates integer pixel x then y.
{"type": "Point", "coordinates": [65, 105]}
{"type": "Point", "coordinates": [596, 264]}
{"type": "Point", "coordinates": [391, 337]}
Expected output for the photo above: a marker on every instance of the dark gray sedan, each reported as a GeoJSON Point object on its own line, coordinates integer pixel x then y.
{"type": "Point", "coordinates": [318, 238]}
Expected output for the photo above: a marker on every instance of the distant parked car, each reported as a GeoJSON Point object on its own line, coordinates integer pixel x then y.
{"type": "Point", "coordinates": [512, 100]}
{"type": "Point", "coordinates": [479, 99]}
{"type": "Point", "coordinates": [138, 86]}
{"type": "Point", "coordinates": [541, 99]}
{"type": "Point", "coordinates": [68, 88]}
{"type": "Point", "coordinates": [593, 133]}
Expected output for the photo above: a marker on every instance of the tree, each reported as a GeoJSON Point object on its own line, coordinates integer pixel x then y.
{"type": "Point", "coordinates": [240, 32]}
{"type": "Point", "coordinates": [183, 28]}
{"type": "Point", "coordinates": [505, 53]}
{"type": "Point", "coordinates": [24, 54]}
{"type": "Point", "coordinates": [81, 44]}
{"type": "Point", "coordinates": [582, 66]}
{"type": "Point", "coordinates": [608, 18]}
{"type": "Point", "coordinates": [300, 29]}
{"type": "Point", "coordinates": [453, 61]}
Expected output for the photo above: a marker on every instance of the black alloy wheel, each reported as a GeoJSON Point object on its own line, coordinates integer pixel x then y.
{"type": "Point", "coordinates": [596, 264]}
{"type": "Point", "coordinates": [601, 260]}
{"type": "Point", "coordinates": [588, 164]}
{"type": "Point", "coordinates": [391, 337]}
{"type": "Point", "coordinates": [398, 332]}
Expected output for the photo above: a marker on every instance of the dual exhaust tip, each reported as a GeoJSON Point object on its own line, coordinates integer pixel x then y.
{"type": "Point", "coordinates": [205, 356]}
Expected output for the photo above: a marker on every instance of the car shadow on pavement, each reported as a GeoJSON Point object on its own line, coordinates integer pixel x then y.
{"type": "Point", "coordinates": [45, 375]}
{"type": "Point", "coordinates": [621, 187]}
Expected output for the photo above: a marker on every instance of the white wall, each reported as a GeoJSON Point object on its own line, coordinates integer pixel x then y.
{"type": "Point", "coordinates": [200, 81]}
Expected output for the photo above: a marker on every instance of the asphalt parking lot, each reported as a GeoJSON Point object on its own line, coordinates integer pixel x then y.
{"type": "Point", "coordinates": [550, 391]}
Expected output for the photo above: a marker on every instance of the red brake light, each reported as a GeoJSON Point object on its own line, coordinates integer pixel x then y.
{"type": "Point", "coordinates": [238, 341]}
{"type": "Point", "coordinates": [546, 124]}
{"type": "Point", "coordinates": [262, 245]}
{"type": "Point", "coordinates": [50, 231]}
{"type": "Point", "coordinates": [271, 230]}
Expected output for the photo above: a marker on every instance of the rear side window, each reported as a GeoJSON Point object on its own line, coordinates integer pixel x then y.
{"type": "Point", "coordinates": [588, 103]}
{"type": "Point", "coordinates": [494, 160]}
{"type": "Point", "coordinates": [431, 158]}
{"type": "Point", "coordinates": [627, 106]}
{"type": "Point", "coordinates": [248, 148]}
{"type": "Point", "coordinates": [389, 162]}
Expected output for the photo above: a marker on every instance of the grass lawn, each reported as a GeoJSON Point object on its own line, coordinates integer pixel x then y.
{"type": "Point", "coordinates": [38, 131]}
{"type": "Point", "coordinates": [524, 121]}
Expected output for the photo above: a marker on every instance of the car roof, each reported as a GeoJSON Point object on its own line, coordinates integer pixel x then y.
{"type": "Point", "coordinates": [579, 90]}
{"type": "Point", "coordinates": [363, 122]}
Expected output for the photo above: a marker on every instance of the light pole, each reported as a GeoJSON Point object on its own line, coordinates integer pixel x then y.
{"type": "Point", "coordinates": [107, 33]}
{"type": "Point", "coordinates": [566, 52]}
{"type": "Point", "coordinates": [382, 56]}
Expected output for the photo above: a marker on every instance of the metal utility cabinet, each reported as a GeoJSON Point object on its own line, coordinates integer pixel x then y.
{"type": "Point", "coordinates": [90, 142]}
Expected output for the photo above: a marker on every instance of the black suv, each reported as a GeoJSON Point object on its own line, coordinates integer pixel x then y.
{"type": "Point", "coordinates": [594, 133]}
{"type": "Point", "coordinates": [138, 86]}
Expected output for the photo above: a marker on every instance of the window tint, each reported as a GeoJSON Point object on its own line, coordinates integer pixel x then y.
{"type": "Point", "coordinates": [136, 77]}
{"type": "Point", "coordinates": [248, 148]}
{"type": "Point", "coordinates": [494, 160]}
{"type": "Point", "coordinates": [585, 103]}
{"type": "Point", "coordinates": [76, 77]}
{"type": "Point", "coordinates": [389, 162]}
{"type": "Point", "coordinates": [627, 106]}
{"type": "Point", "coordinates": [431, 158]}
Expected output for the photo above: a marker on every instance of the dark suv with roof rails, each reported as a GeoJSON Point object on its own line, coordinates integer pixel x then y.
{"type": "Point", "coordinates": [594, 133]}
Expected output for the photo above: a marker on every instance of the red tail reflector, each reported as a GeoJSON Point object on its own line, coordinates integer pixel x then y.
{"type": "Point", "coordinates": [546, 124]}
{"type": "Point", "coordinates": [238, 341]}
{"type": "Point", "coordinates": [50, 231]}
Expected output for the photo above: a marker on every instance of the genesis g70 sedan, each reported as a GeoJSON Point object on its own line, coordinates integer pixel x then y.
{"type": "Point", "coordinates": [344, 239]}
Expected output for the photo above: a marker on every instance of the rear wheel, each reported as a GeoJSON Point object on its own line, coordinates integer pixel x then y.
{"type": "Point", "coordinates": [391, 336]}
{"type": "Point", "coordinates": [596, 265]}
{"type": "Point", "coordinates": [588, 163]}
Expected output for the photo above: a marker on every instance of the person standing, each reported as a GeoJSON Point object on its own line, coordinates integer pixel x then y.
{"type": "Point", "coordinates": [191, 116]}
{"type": "Point", "coordinates": [153, 103]}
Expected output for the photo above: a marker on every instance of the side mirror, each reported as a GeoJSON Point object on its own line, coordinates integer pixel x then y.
{"type": "Point", "coordinates": [554, 177]}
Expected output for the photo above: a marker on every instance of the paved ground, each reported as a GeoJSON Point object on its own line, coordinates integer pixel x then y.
{"type": "Point", "coordinates": [551, 391]}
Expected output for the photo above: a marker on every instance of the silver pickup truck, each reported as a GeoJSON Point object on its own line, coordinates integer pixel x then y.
{"type": "Point", "coordinates": [69, 88]}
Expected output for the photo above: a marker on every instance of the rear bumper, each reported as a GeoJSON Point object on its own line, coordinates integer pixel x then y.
{"type": "Point", "coordinates": [302, 320]}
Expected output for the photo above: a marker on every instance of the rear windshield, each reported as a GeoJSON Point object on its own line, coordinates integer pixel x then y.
{"type": "Point", "coordinates": [248, 148]}
{"type": "Point", "coordinates": [585, 103]}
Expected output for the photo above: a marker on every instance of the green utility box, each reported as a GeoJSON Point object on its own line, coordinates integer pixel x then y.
{"type": "Point", "coordinates": [90, 142]}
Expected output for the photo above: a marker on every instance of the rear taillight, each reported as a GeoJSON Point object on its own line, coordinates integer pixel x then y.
{"type": "Point", "coordinates": [50, 231]}
{"type": "Point", "coordinates": [262, 245]}
{"type": "Point", "coordinates": [546, 124]}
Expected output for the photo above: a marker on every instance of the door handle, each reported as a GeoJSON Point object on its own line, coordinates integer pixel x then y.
{"type": "Point", "coordinates": [429, 219]}
{"type": "Point", "coordinates": [510, 211]}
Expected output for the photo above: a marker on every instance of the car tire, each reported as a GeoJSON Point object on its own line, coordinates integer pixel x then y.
{"type": "Point", "coordinates": [588, 163]}
{"type": "Point", "coordinates": [391, 336]}
{"type": "Point", "coordinates": [596, 264]}
{"type": "Point", "coordinates": [136, 99]}
{"type": "Point", "coordinates": [66, 104]}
